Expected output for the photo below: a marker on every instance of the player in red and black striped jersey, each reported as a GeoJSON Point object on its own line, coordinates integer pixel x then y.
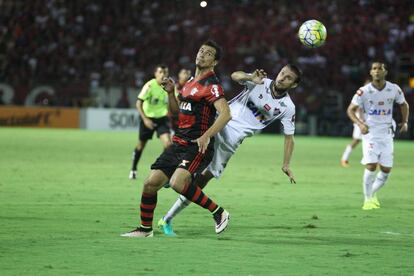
{"type": "Point", "coordinates": [197, 112]}
{"type": "Point", "coordinates": [192, 148]}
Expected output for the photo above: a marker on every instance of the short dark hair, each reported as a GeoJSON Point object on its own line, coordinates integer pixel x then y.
{"type": "Point", "coordinates": [161, 65]}
{"type": "Point", "coordinates": [380, 62]}
{"type": "Point", "coordinates": [217, 47]}
{"type": "Point", "coordinates": [295, 70]}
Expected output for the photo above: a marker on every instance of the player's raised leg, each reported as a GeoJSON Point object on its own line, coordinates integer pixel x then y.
{"type": "Point", "coordinates": [165, 223]}
{"type": "Point", "coordinates": [181, 183]}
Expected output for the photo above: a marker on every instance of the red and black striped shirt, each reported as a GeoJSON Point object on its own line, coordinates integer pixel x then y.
{"type": "Point", "coordinates": [197, 112]}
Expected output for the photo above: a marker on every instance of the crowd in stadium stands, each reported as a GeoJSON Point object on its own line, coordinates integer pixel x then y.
{"type": "Point", "coordinates": [117, 43]}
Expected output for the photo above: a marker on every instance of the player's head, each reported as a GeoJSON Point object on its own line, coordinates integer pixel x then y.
{"type": "Point", "coordinates": [208, 55]}
{"type": "Point", "coordinates": [160, 72]}
{"type": "Point", "coordinates": [378, 71]}
{"type": "Point", "coordinates": [289, 77]}
{"type": "Point", "coordinates": [184, 75]}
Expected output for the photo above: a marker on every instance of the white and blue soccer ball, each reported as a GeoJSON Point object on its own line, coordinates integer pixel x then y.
{"type": "Point", "coordinates": [312, 33]}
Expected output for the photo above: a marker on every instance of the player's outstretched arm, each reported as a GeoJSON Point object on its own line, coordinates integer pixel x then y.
{"type": "Point", "coordinates": [224, 116]}
{"type": "Point", "coordinates": [405, 113]}
{"type": "Point", "coordinates": [351, 112]}
{"type": "Point", "coordinates": [255, 77]}
{"type": "Point", "coordinates": [288, 150]}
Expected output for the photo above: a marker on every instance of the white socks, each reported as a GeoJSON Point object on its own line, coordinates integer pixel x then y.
{"type": "Point", "coordinates": [347, 153]}
{"type": "Point", "coordinates": [379, 181]}
{"type": "Point", "coordinates": [368, 179]}
{"type": "Point", "coordinates": [181, 203]}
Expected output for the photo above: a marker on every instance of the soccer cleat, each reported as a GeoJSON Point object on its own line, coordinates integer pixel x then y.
{"type": "Point", "coordinates": [375, 201]}
{"type": "Point", "coordinates": [368, 205]}
{"type": "Point", "coordinates": [166, 227]}
{"type": "Point", "coordinates": [138, 233]}
{"type": "Point", "coordinates": [133, 175]}
{"type": "Point", "coordinates": [345, 163]}
{"type": "Point", "coordinates": [222, 222]}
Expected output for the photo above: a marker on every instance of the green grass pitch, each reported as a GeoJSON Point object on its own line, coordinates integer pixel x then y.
{"type": "Point", "coordinates": [65, 198]}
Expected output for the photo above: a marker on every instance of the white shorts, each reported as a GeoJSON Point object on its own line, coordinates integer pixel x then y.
{"type": "Point", "coordinates": [377, 151]}
{"type": "Point", "coordinates": [356, 134]}
{"type": "Point", "coordinates": [225, 144]}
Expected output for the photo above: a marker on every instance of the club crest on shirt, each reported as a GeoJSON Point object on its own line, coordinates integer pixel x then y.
{"type": "Point", "coordinates": [193, 91]}
{"type": "Point", "coordinates": [276, 111]}
{"type": "Point", "coordinates": [260, 96]}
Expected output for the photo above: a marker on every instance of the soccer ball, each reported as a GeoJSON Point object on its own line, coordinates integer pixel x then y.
{"type": "Point", "coordinates": [312, 33]}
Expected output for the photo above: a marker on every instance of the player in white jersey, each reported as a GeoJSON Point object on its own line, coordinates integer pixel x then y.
{"type": "Point", "coordinates": [261, 102]}
{"type": "Point", "coordinates": [376, 100]}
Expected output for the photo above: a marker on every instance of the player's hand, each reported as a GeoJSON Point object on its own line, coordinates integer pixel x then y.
{"type": "Point", "coordinates": [202, 143]}
{"type": "Point", "coordinates": [168, 85]}
{"type": "Point", "coordinates": [364, 128]}
{"type": "Point", "coordinates": [258, 75]}
{"type": "Point", "coordinates": [149, 123]}
{"type": "Point", "coordinates": [403, 127]}
{"type": "Point", "coordinates": [289, 173]}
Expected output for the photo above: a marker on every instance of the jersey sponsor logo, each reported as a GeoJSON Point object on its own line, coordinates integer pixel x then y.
{"type": "Point", "coordinates": [193, 91]}
{"type": "Point", "coordinates": [185, 106]}
{"type": "Point", "coordinates": [379, 112]}
{"type": "Point", "coordinates": [215, 91]}
{"type": "Point", "coordinates": [256, 112]}
{"type": "Point", "coordinates": [267, 107]}
{"type": "Point", "coordinates": [380, 103]}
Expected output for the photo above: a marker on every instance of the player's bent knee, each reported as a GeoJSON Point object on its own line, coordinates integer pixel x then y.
{"type": "Point", "coordinates": [179, 179]}
{"type": "Point", "coordinates": [155, 181]}
{"type": "Point", "coordinates": [371, 167]}
{"type": "Point", "coordinates": [202, 179]}
{"type": "Point", "coordinates": [385, 169]}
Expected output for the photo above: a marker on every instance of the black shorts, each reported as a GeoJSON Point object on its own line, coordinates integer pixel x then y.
{"type": "Point", "coordinates": [162, 125]}
{"type": "Point", "coordinates": [185, 157]}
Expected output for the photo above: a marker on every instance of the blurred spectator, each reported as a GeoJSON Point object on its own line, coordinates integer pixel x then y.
{"type": "Point", "coordinates": [116, 43]}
